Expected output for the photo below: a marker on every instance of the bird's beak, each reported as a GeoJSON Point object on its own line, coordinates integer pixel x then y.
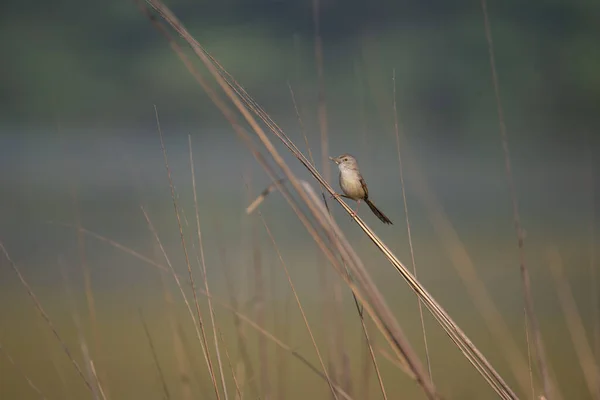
{"type": "Point", "coordinates": [335, 159]}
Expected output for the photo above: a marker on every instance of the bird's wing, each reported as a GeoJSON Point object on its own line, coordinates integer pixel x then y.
{"type": "Point", "coordinates": [364, 186]}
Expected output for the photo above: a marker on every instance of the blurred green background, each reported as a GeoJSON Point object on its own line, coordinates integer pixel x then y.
{"type": "Point", "coordinates": [78, 141]}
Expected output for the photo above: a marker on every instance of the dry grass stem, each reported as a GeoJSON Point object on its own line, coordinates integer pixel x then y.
{"type": "Point", "coordinates": [299, 304]}
{"type": "Point", "coordinates": [593, 267]}
{"type": "Point", "coordinates": [233, 374]}
{"type": "Point", "coordinates": [232, 308]}
{"type": "Point", "coordinates": [583, 349]}
{"type": "Point", "coordinates": [161, 375]}
{"type": "Point", "coordinates": [239, 328]}
{"type": "Point", "coordinates": [262, 196]}
{"type": "Point", "coordinates": [23, 374]}
{"type": "Point", "coordinates": [87, 277]}
{"type": "Point", "coordinates": [542, 362]}
{"type": "Point", "coordinates": [45, 316]}
{"type": "Point", "coordinates": [97, 391]}
{"type": "Point", "coordinates": [204, 274]}
{"type": "Point", "coordinates": [370, 351]}
{"type": "Point", "coordinates": [412, 251]}
{"type": "Point", "coordinates": [464, 266]}
{"type": "Point", "coordinates": [197, 326]}
{"type": "Point", "coordinates": [399, 363]}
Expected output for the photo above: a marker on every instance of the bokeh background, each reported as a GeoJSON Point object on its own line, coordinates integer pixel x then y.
{"type": "Point", "coordinates": [79, 83]}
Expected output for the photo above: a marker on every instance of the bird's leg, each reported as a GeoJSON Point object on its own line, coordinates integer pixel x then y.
{"type": "Point", "coordinates": [354, 212]}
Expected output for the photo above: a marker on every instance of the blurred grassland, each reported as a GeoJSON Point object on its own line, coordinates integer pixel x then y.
{"type": "Point", "coordinates": [125, 356]}
{"type": "Point", "coordinates": [62, 157]}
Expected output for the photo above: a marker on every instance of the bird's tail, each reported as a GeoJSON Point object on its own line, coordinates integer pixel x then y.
{"type": "Point", "coordinates": [378, 213]}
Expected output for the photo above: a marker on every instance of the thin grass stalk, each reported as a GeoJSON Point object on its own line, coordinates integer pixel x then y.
{"type": "Point", "coordinates": [95, 375]}
{"type": "Point", "coordinates": [197, 326]}
{"type": "Point", "coordinates": [239, 329]}
{"type": "Point", "coordinates": [528, 297]}
{"type": "Point", "coordinates": [356, 301]}
{"type": "Point", "coordinates": [87, 276]}
{"type": "Point", "coordinates": [410, 244]}
{"type": "Point", "coordinates": [302, 128]}
{"type": "Point", "coordinates": [276, 318]}
{"type": "Point", "coordinates": [204, 273]}
{"type": "Point", "coordinates": [463, 264]}
{"type": "Point", "coordinates": [328, 311]}
{"type": "Point", "coordinates": [46, 318]}
{"type": "Point", "coordinates": [22, 373]}
{"type": "Point", "coordinates": [371, 352]}
{"type": "Point", "coordinates": [593, 268]}
{"type": "Point", "coordinates": [397, 363]}
{"type": "Point", "coordinates": [187, 259]}
{"type": "Point", "coordinates": [338, 389]}
{"type": "Point", "coordinates": [233, 375]}
{"type": "Point", "coordinates": [298, 303]}
{"type": "Point", "coordinates": [321, 103]}
{"type": "Point", "coordinates": [178, 347]}
{"type": "Point", "coordinates": [345, 364]}
{"type": "Point", "coordinates": [87, 279]}
{"type": "Point", "coordinates": [117, 245]}
{"type": "Point", "coordinates": [97, 388]}
{"type": "Point", "coordinates": [367, 361]}
{"type": "Point", "coordinates": [161, 375]}
{"type": "Point", "coordinates": [65, 389]}
{"type": "Point", "coordinates": [237, 314]}
{"type": "Point", "coordinates": [210, 92]}
{"type": "Point", "coordinates": [354, 273]}
{"type": "Point", "coordinates": [282, 360]}
{"type": "Point", "coordinates": [89, 366]}
{"type": "Point", "coordinates": [234, 309]}
{"type": "Point", "coordinates": [494, 318]}
{"type": "Point", "coordinates": [526, 325]}
{"type": "Point", "coordinates": [574, 323]}
{"type": "Point", "coordinates": [368, 358]}
{"type": "Point", "coordinates": [324, 285]}
{"type": "Point", "coordinates": [336, 333]}
{"type": "Point", "coordinates": [259, 302]}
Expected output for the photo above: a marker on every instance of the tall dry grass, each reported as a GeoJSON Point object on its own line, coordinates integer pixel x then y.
{"type": "Point", "coordinates": [342, 270]}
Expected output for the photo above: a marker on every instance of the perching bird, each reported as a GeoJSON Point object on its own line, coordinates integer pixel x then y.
{"type": "Point", "coordinates": [353, 185]}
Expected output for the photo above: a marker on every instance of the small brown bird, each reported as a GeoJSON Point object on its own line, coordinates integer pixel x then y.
{"type": "Point", "coordinates": [353, 185]}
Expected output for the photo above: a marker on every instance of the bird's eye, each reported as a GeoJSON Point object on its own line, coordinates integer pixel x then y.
{"type": "Point", "coordinates": [345, 159]}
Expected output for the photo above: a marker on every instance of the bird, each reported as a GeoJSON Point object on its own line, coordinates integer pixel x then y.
{"type": "Point", "coordinates": [354, 186]}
